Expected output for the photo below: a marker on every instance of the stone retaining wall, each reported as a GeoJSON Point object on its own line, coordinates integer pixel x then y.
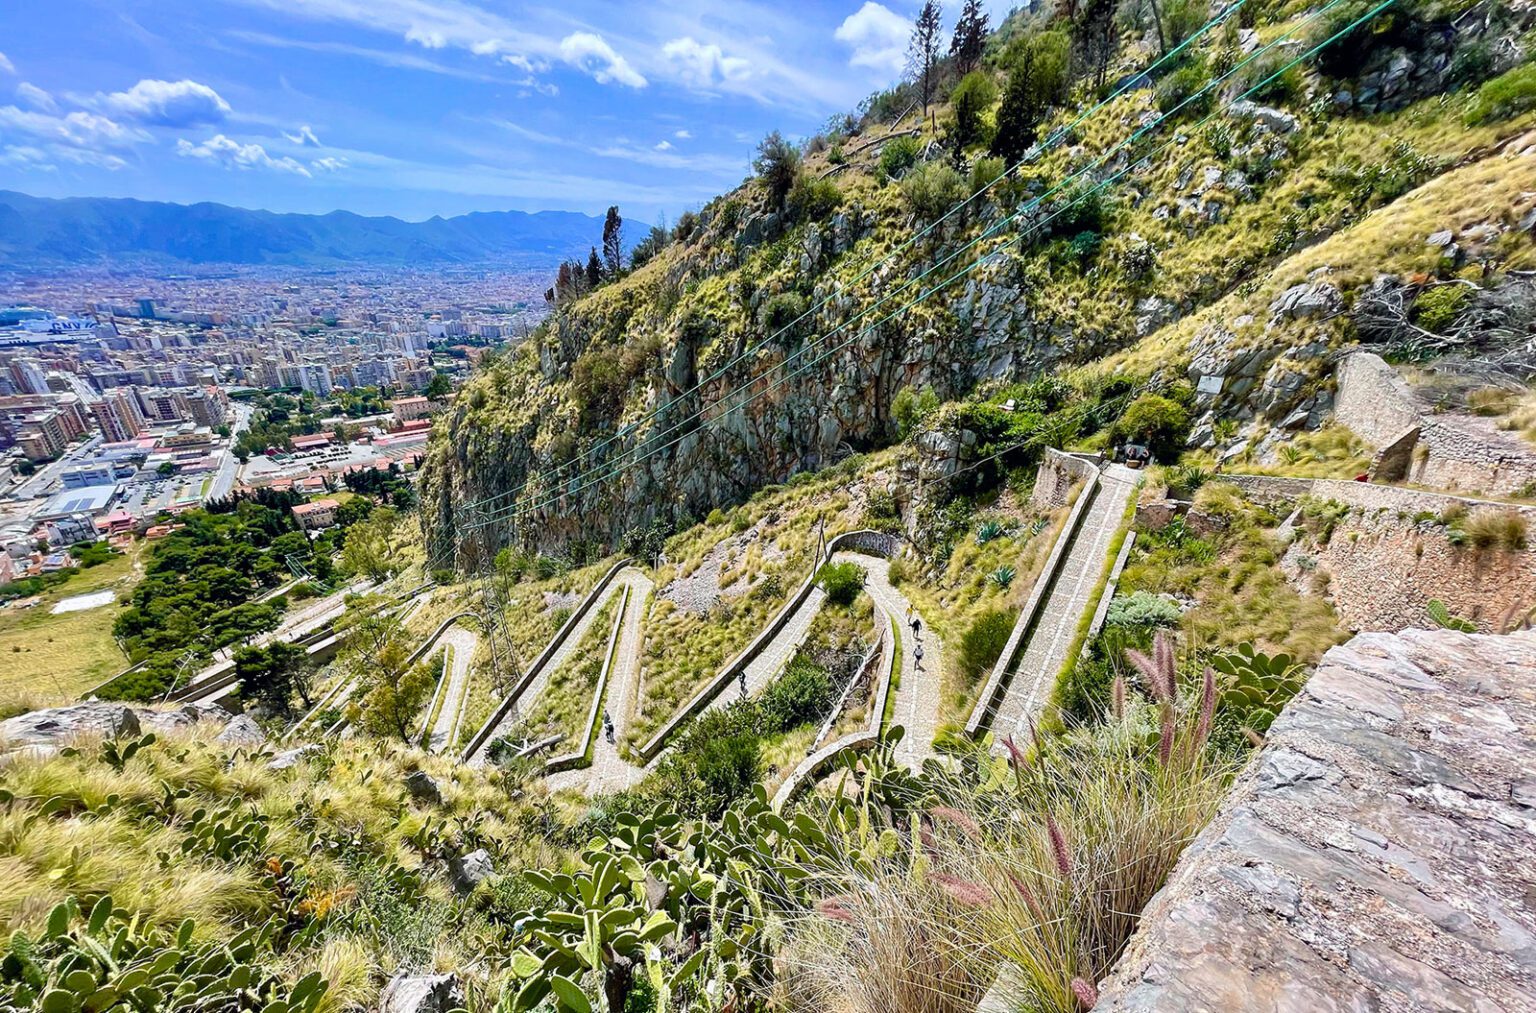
{"type": "Point", "coordinates": [1375, 855]}
{"type": "Point", "coordinates": [1058, 474]}
{"type": "Point", "coordinates": [1445, 450]}
{"type": "Point", "coordinates": [1367, 496]}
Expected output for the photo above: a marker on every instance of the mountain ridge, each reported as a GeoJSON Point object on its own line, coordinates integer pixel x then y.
{"type": "Point", "coordinates": [81, 231]}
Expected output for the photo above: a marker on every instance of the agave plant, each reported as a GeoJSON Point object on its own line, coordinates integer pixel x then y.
{"type": "Point", "coordinates": [1002, 576]}
{"type": "Point", "coordinates": [990, 531]}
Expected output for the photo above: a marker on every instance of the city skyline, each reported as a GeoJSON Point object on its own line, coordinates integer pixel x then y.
{"type": "Point", "coordinates": [416, 108]}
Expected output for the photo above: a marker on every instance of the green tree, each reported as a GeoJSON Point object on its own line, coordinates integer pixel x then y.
{"type": "Point", "coordinates": [273, 674]}
{"type": "Point", "coordinates": [970, 38]}
{"type": "Point", "coordinates": [594, 269]}
{"type": "Point", "coordinates": [969, 103]}
{"type": "Point", "coordinates": [1038, 73]}
{"type": "Point", "coordinates": [439, 387]}
{"type": "Point", "coordinates": [1161, 424]}
{"type": "Point", "coordinates": [376, 653]}
{"type": "Point", "coordinates": [777, 163]}
{"type": "Point", "coordinates": [369, 548]}
{"type": "Point", "coordinates": [613, 242]}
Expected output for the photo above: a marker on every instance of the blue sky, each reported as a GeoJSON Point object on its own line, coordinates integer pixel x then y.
{"type": "Point", "coordinates": [423, 107]}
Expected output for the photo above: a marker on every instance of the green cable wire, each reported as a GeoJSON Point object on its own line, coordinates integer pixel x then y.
{"type": "Point", "coordinates": [556, 496]}
{"type": "Point", "coordinates": [993, 230]}
{"type": "Point", "coordinates": [1035, 152]}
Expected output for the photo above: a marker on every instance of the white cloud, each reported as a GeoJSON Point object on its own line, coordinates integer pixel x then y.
{"type": "Point", "coordinates": [877, 37]}
{"type": "Point", "coordinates": [233, 155]}
{"type": "Point", "coordinates": [590, 53]}
{"type": "Point", "coordinates": [328, 164]}
{"type": "Point", "coordinates": [29, 94]}
{"type": "Point", "coordinates": [683, 135]}
{"type": "Point", "coordinates": [78, 129]}
{"type": "Point", "coordinates": [167, 103]}
{"type": "Point", "coordinates": [6, 65]}
{"type": "Point", "coordinates": [703, 65]}
{"type": "Point", "coordinates": [305, 138]}
{"type": "Point", "coordinates": [25, 156]}
{"type": "Point", "coordinates": [663, 145]}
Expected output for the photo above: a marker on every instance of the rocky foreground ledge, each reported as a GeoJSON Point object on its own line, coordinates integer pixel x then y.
{"type": "Point", "coordinates": [1380, 854]}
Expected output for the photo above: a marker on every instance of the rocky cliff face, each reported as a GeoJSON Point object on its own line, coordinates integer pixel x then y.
{"type": "Point", "coordinates": [1227, 259]}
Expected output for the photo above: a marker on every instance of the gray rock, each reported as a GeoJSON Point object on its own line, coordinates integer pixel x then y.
{"type": "Point", "coordinates": [242, 732]}
{"type": "Point", "coordinates": [422, 993]}
{"type": "Point", "coordinates": [466, 872]}
{"type": "Point", "coordinates": [57, 725]}
{"type": "Point", "coordinates": [1440, 240]}
{"type": "Point", "coordinates": [1273, 119]}
{"type": "Point", "coordinates": [421, 786]}
{"type": "Point", "coordinates": [1308, 301]}
{"type": "Point", "coordinates": [295, 756]}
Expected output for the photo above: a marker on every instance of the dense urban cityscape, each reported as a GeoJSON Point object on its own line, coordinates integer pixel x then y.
{"type": "Point", "coordinates": [127, 400]}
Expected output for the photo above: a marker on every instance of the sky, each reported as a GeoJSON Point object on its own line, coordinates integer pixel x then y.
{"type": "Point", "coordinates": [417, 108]}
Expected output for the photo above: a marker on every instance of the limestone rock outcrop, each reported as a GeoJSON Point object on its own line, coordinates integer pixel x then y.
{"type": "Point", "coordinates": [1375, 855]}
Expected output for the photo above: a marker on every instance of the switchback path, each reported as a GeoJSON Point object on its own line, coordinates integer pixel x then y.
{"type": "Point", "coordinates": [460, 645]}
{"type": "Point", "coordinates": [919, 692]}
{"type": "Point", "coordinates": [610, 771]}
{"type": "Point", "coordinates": [1071, 595]}
{"type": "Point", "coordinates": [628, 577]}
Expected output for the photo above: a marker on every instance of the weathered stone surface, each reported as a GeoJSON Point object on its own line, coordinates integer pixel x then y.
{"type": "Point", "coordinates": [466, 872]}
{"type": "Point", "coordinates": [422, 993]}
{"type": "Point", "coordinates": [1375, 856]}
{"type": "Point", "coordinates": [295, 756]}
{"type": "Point", "coordinates": [57, 725]}
{"type": "Point", "coordinates": [1308, 301]}
{"type": "Point", "coordinates": [421, 786]}
{"type": "Point", "coordinates": [242, 732]}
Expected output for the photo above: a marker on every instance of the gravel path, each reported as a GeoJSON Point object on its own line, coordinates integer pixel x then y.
{"type": "Point", "coordinates": [1072, 594]}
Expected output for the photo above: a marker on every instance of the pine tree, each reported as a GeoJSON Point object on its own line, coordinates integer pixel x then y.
{"type": "Point", "coordinates": [923, 53]}
{"type": "Point", "coordinates": [594, 269]}
{"type": "Point", "coordinates": [970, 37]}
{"type": "Point", "coordinates": [613, 242]}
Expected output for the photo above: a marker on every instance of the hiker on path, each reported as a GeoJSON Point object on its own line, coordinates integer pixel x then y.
{"type": "Point", "coordinates": [917, 657]}
{"type": "Point", "coordinates": [917, 627]}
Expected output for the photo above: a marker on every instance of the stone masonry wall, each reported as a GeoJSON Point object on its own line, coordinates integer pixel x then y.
{"type": "Point", "coordinates": [1058, 474]}
{"type": "Point", "coordinates": [1451, 451]}
{"type": "Point", "coordinates": [1376, 855]}
{"type": "Point", "coordinates": [1381, 573]}
{"type": "Point", "coordinates": [1366, 496]}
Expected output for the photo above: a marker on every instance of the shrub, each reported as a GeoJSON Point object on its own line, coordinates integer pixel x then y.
{"type": "Point", "coordinates": [1141, 608]}
{"type": "Point", "coordinates": [777, 164]}
{"type": "Point", "coordinates": [897, 156]}
{"type": "Point", "coordinates": [910, 406]}
{"type": "Point", "coordinates": [1158, 422]}
{"type": "Point", "coordinates": [932, 190]}
{"type": "Point", "coordinates": [841, 581]}
{"type": "Point", "coordinates": [812, 200]}
{"type": "Point", "coordinates": [1503, 529]}
{"type": "Point", "coordinates": [987, 171]}
{"type": "Point", "coordinates": [1509, 94]}
{"type": "Point", "coordinates": [800, 696]}
{"type": "Point", "coordinates": [969, 104]}
{"type": "Point", "coordinates": [1437, 308]}
{"type": "Point", "coordinates": [1186, 80]}
{"type": "Point", "coordinates": [983, 643]}
{"type": "Point", "coordinates": [781, 311]}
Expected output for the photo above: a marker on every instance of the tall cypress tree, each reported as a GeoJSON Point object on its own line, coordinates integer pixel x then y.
{"type": "Point", "coordinates": [594, 269]}
{"type": "Point", "coordinates": [613, 242]}
{"type": "Point", "coordinates": [970, 37]}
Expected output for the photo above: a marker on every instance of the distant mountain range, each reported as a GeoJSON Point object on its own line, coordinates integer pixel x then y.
{"type": "Point", "coordinates": [92, 231]}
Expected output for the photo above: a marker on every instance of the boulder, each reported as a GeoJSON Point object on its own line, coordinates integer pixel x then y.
{"type": "Point", "coordinates": [1313, 300]}
{"type": "Point", "coordinates": [1272, 119]}
{"type": "Point", "coordinates": [242, 732]}
{"type": "Point", "coordinates": [57, 725]}
{"type": "Point", "coordinates": [293, 757]}
{"type": "Point", "coordinates": [466, 872]}
{"type": "Point", "coordinates": [421, 786]}
{"type": "Point", "coordinates": [422, 993]}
